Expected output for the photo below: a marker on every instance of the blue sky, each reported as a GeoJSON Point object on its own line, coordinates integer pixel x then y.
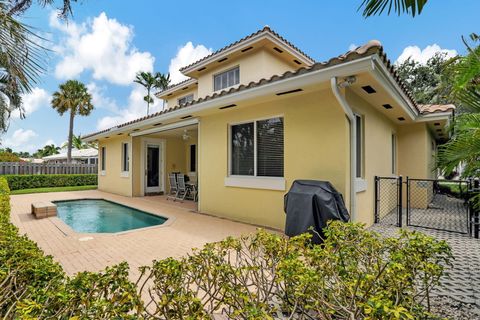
{"type": "Point", "coordinates": [106, 42]}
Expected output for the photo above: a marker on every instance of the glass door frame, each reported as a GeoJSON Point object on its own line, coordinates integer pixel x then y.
{"type": "Point", "coordinates": [143, 171]}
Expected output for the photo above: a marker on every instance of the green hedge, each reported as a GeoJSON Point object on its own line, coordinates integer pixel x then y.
{"type": "Point", "coordinates": [355, 274]}
{"type": "Point", "coordinates": [31, 181]}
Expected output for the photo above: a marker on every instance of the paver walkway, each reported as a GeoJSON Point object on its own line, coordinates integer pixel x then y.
{"type": "Point", "coordinates": [93, 252]}
{"type": "Point", "coordinates": [462, 282]}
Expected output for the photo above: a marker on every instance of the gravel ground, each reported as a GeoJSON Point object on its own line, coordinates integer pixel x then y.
{"type": "Point", "coordinates": [445, 307]}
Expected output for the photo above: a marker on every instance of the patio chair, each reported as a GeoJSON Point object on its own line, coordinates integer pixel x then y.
{"type": "Point", "coordinates": [181, 188]}
{"type": "Point", "coordinates": [173, 186]}
{"type": "Point", "coordinates": [193, 191]}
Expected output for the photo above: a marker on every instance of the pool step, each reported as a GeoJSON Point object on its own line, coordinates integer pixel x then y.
{"type": "Point", "coordinates": [44, 209]}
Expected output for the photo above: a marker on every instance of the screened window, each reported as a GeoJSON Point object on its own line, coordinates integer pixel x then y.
{"type": "Point", "coordinates": [257, 148]}
{"type": "Point", "coordinates": [103, 158]}
{"type": "Point", "coordinates": [359, 146]}
{"type": "Point", "coordinates": [185, 99]}
{"type": "Point", "coordinates": [125, 158]}
{"type": "Point", "coordinates": [226, 79]}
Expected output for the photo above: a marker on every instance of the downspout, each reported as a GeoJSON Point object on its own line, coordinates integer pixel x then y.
{"type": "Point", "coordinates": [353, 148]}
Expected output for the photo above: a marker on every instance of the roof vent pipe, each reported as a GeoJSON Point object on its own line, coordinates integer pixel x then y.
{"type": "Point", "coordinates": [335, 86]}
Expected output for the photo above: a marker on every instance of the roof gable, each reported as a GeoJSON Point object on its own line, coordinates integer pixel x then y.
{"type": "Point", "coordinates": [247, 43]}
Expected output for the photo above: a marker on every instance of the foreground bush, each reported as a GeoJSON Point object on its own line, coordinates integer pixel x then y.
{"type": "Point", "coordinates": [31, 181]}
{"type": "Point", "coordinates": [355, 274]}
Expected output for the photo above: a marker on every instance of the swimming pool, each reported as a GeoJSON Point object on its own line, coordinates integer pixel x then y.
{"type": "Point", "coordinates": [103, 216]}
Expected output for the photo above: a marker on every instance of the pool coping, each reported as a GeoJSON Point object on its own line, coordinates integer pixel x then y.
{"type": "Point", "coordinates": [69, 231]}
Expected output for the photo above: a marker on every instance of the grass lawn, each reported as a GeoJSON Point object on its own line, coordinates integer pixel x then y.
{"type": "Point", "coordinates": [53, 189]}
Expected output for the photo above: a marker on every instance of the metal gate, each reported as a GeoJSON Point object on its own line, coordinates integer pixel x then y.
{"type": "Point", "coordinates": [388, 200]}
{"type": "Point", "coordinates": [438, 204]}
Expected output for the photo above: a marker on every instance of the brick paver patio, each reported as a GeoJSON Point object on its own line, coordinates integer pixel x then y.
{"type": "Point", "coordinates": [462, 280]}
{"type": "Point", "coordinates": [188, 229]}
{"type": "Point", "coordinates": [93, 252]}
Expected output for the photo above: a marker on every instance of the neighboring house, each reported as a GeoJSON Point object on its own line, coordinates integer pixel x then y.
{"type": "Point", "coordinates": [259, 113]}
{"type": "Point", "coordinates": [87, 156]}
{"type": "Point", "coordinates": [31, 160]}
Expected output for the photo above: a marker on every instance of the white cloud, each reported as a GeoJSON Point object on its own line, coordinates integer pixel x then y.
{"type": "Point", "coordinates": [20, 140]}
{"type": "Point", "coordinates": [422, 56]}
{"type": "Point", "coordinates": [352, 47]}
{"type": "Point", "coordinates": [135, 108]}
{"type": "Point", "coordinates": [32, 101]}
{"type": "Point", "coordinates": [49, 142]}
{"type": "Point", "coordinates": [186, 55]}
{"type": "Point", "coordinates": [99, 99]}
{"type": "Point", "coordinates": [103, 46]}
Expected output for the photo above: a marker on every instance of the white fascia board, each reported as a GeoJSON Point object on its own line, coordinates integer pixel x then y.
{"type": "Point", "coordinates": [382, 75]}
{"type": "Point", "coordinates": [434, 116]}
{"type": "Point", "coordinates": [167, 127]}
{"type": "Point", "coordinates": [246, 43]}
{"type": "Point", "coordinates": [176, 87]}
{"type": "Point", "coordinates": [308, 78]}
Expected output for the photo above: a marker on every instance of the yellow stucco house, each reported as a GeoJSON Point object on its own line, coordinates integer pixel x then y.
{"type": "Point", "coordinates": [259, 113]}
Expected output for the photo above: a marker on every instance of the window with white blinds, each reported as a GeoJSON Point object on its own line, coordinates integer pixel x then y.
{"type": "Point", "coordinates": [257, 148]}
{"type": "Point", "coordinates": [226, 79]}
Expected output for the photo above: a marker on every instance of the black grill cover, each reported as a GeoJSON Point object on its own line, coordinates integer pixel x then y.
{"type": "Point", "coordinates": [311, 203]}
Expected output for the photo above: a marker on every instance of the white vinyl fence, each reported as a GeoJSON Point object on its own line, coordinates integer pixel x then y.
{"type": "Point", "coordinates": [44, 168]}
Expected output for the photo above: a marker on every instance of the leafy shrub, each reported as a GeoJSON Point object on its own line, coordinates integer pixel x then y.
{"type": "Point", "coordinates": [8, 157]}
{"type": "Point", "coordinates": [31, 181]}
{"type": "Point", "coordinates": [354, 274]}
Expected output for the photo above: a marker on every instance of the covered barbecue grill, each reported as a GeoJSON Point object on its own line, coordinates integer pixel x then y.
{"type": "Point", "coordinates": [312, 203]}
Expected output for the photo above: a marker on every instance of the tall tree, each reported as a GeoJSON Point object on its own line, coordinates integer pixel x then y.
{"type": "Point", "coordinates": [377, 7]}
{"type": "Point", "coordinates": [22, 61]}
{"type": "Point", "coordinates": [151, 81]}
{"type": "Point", "coordinates": [16, 7]}
{"type": "Point", "coordinates": [430, 82]}
{"type": "Point", "coordinates": [464, 146]}
{"type": "Point", "coordinates": [47, 150]}
{"type": "Point", "coordinates": [72, 97]}
{"type": "Point", "coordinates": [22, 58]}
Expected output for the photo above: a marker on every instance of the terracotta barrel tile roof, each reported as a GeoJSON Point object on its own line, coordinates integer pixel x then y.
{"type": "Point", "coordinates": [264, 30]}
{"type": "Point", "coordinates": [435, 108]}
{"type": "Point", "coordinates": [370, 48]}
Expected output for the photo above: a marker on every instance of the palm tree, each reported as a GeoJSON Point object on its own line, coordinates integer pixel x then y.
{"type": "Point", "coordinates": [72, 97]}
{"type": "Point", "coordinates": [151, 81]}
{"type": "Point", "coordinates": [22, 61]}
{"type": "Point", "coordinates": [78, 143]}
{"type": "Point", "coordinates": [377, 7]}
{"type": "Point", "coordinates": [464, 146]}
{"type": "Point", "coordinates": [163, 84]}
{"type": "Point", "coordinates": [20, 6]}
{"type": "Point", "coordinates": [48, 150]}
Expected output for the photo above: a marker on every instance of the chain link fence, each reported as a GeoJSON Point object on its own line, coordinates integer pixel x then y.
{"type": "Point", "coordinates": [388, 200]}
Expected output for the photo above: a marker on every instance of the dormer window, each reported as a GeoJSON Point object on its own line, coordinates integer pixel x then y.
{"type": "Point", "coordinates": [185, 99]}
{"type": "Point", "coordinates": [226, 79]}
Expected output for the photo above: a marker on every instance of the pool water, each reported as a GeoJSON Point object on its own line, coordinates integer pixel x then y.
{"type": "Point", "coordinates": [102, 216]}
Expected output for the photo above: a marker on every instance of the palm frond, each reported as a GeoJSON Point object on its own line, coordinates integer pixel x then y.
{"type": "Point", "coordinates": [377, 7]}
